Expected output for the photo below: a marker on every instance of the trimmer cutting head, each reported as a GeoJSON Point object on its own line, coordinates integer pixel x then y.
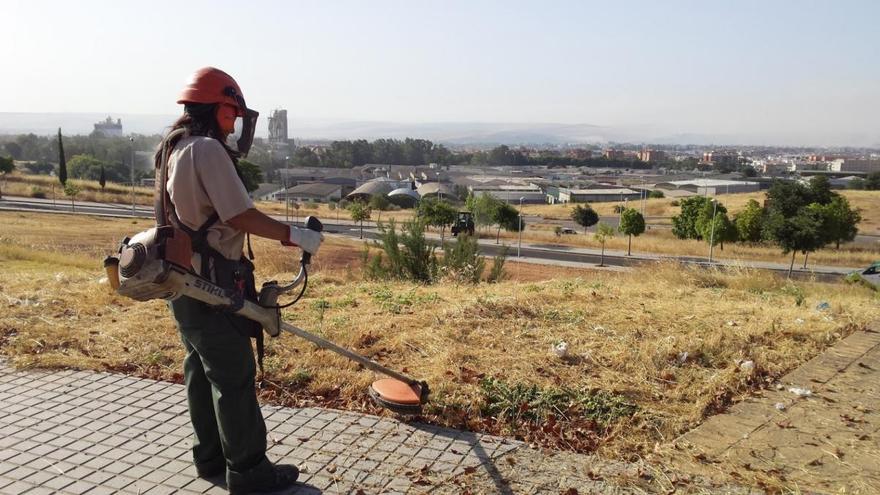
{"type": "Point", "coordinates": [398, 396]}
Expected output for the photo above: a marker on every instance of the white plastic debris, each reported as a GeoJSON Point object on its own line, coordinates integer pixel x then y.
{"type": "Point", "coordinates": [102, 280]}
{"type": "Point", "coordinates": [823, 306]}
{"type": "Point", "coordinates": [747, 366]}
{"type": "Point", "coordinates": [561, 349]}
{"type": "Point", "coordinates": [779, 386]}
{"type": "Point", "coordinates": [801, 392]}
{"type": "Point", "coordinates": [598, 328]}
{"type": "Point", "coordinates": [731, 323]}
{"type": "Point", "coordinates": [780, 406]}
{"type": "Point", "coordinates": [683, 357]}
{"type": "Point", "coordinates": [799, 321]}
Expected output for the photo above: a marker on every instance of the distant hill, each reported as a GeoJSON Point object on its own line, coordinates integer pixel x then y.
{"type": "Point", "coordinates": [455, 133]}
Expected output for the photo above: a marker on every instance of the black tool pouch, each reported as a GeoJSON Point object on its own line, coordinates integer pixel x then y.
{"type": "Point", "coordinates": [237, 277]}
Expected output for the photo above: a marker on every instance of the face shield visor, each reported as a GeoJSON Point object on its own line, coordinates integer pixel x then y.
{"type": "Point", "coordinates": [246, 124]}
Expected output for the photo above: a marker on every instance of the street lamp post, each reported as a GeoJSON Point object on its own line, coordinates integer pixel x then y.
{"type": "Point", "coordinates": [519, 246]}
{"type": "Point", "coordinates": [712, 230]}
{"type": "Point", "coordinates": [131, 142]}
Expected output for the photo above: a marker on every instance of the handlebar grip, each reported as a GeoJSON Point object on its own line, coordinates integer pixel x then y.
{"type": "Point", "coordinates": [312, 223]}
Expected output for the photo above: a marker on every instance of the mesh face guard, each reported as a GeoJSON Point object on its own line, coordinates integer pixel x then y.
{"type": "Point", "coordinates": [248, 121]}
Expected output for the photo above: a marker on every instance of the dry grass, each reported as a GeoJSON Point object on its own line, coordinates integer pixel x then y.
{"type": "Point", "coordinates": [867, 201]}
{"type": "Point", "coordinates": [323, 211]}
{"type": "Point", "coordinates": [627, 333]}
{"type": "Point", "coordinates": [660, 241]}
{"type": "Point", "coordinates": [18, 184]}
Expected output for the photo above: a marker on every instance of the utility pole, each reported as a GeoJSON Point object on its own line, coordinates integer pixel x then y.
{"type": "Point", "coordinates": [519, 246]}
{"type": "Point", "coordinates": [131, 142]}
{"type": "Point", "coordinates": [712, 231]}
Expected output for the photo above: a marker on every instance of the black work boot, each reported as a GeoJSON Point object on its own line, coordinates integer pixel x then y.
{"type": "Point", "coordinates": [264, 477]}
{"type": "Point", "coordinates": [211, 469]}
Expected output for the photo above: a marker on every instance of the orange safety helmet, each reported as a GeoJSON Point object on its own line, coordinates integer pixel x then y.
{"type": "Point", "coordinates": [210, 85]}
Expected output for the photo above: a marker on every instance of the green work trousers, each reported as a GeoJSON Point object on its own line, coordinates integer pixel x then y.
{"type": "Point", "coordinates": [219, 372]}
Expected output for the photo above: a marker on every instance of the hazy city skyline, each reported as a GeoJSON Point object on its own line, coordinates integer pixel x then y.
{"type": "Point", "coordinates": [792, 72]}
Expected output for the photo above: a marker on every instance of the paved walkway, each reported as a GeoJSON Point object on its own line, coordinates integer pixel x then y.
{"type": "Point", "coordinates": [825, 440]}
{"type": "Point", "coordinates": [78, 432]}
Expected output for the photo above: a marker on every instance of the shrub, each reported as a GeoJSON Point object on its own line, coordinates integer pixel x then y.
{"type": "Point", "coordinates": [656, 194]}
{"type": "Point", "coordinates": [37, 192]}
{"type": "Point", "coordinates": [462, 262]}
{"type": "Point", "coordinates": [409, 256]}
{"type": "Point", "coordinates": [496, 273]}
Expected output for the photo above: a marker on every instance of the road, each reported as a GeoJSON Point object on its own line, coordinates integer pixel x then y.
{"type": "Point", "coordinates": [530, 252]}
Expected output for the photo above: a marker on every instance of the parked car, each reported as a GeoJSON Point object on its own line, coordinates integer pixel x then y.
{"type": "Point", "coordinates": [567, 230]}
{"type": "Point", "coordinates": [870, 274]}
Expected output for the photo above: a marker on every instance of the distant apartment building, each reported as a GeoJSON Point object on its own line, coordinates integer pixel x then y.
{"type": "Point", "coordinates": [721, 157]}
{"type": "Point", "coordinates": [855, 165]}
{"type": "Point", "coordinates": [580, 154]}
{"type": "Point", "coordinates": [108, 128]}
{"type": "Point", "coordinates": [613, 154]}
{"type": "Point", "coordinates": [652, 156]}
{"type": "Point", "coordinates": [772, 168]}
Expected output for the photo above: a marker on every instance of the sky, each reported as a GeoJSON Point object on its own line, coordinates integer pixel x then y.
{"type": "Point", "coordinates": [726, 67]}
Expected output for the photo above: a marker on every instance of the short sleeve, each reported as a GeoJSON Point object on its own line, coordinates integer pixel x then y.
{"type": "Point", "coordinates": [220, 181]}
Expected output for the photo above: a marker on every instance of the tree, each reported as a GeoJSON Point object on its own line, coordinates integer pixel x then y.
{"type": "Point", "coordinates": [820, 190]}
{"type": "Point", "coordinates": [506, 217]}
{"type": "Point", "coordinates": [656, 194]}
{"type": "Point", "coordinates": [14, 150]}
{"type": "Point", "coordinates": [62, 163]}
{"type": "Point", "coordinates": [748, 171]}
{"type": "Point", "coordinates": [801, 232]}
{"type": "Point", "coordinates": [724, 230]}
{"type": "Point", "coordinates": [87, 167]}
{"type": "Point", "coordinates": [250, 173]}
{"type": "Point", "coordinates": [684, 224]}
{"type": "Point", "coordinates": [710, 210]}
{"type": "Point", "coordinates": [603, 233]}
{"type": "Point", "coordinates": [437, 213]}
{"type": "Point", "coordinates": [788, 198]}
{"type": "Point", "coordinates": [632, 223]}
{"type": "Point", "coordinates": [483, 208]}
{"type": "Point", "coordinates": [359, 212]}
{"type": "Point", "coordinates": [749, 222]}
{"type": "Point", "coordinates": [102, 180]}
{"type": "Point", "coordinates": [872, 181]}
{"type": "Point", "coordinates": [7, 165]}
{"type": "Point", "coordinates": [306, 158]}
{"type": "Point", "coordinates": [857, 184]}
{"type": "Point", "coordinates": [585, 216]}
{"type": "Point", "coordinates": [71, 190]}
{"type": "Point", "coordinates": [379, 202]}
{"type": "Point", "coordinates": [840, 221]}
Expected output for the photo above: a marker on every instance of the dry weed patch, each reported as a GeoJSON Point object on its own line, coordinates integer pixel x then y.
{"type": "Point", "coordinates": [649, 353]}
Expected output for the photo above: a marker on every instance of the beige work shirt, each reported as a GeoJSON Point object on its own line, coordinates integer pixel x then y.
{"type": "Point", "coordinates": [201, 180]}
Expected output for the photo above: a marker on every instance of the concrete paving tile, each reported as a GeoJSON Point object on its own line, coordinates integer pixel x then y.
{"type": "Point", "coordinates": [79, 487]}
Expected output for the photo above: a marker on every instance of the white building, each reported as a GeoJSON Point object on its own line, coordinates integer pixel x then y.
{"type": "Point", "coordinates": [706, 187]}
{"type": "Point", "coordinates": [108, 128]}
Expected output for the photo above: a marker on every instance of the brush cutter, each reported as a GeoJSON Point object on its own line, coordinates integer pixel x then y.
{"type": "Point", "coordinates": [155, 264]}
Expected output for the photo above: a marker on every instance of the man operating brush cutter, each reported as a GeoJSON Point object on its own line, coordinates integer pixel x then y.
{"type": "Point", "coordinates": [205, 197]}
